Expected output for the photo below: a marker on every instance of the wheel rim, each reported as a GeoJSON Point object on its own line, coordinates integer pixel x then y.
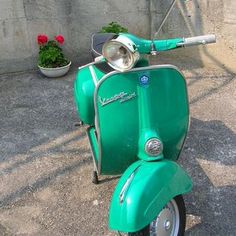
{"type": "Point", "coordinates": [167, 222]}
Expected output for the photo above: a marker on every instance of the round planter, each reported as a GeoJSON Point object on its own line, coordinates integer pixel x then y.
{"type": "Point", "coordinates": [55, 72]}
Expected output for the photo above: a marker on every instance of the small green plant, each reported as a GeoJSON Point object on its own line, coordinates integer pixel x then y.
{"type": "Point", "coordinates": [113, 27]}
{"type": "Point", "coordinates": [50, 53]}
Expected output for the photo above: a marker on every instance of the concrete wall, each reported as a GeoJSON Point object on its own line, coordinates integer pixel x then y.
{"type": "Point", "coordinates": [198, 17]}
{"type": "Point", "coordinates": [22, 20]}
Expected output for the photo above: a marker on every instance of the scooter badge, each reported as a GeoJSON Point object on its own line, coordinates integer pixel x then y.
{"type": "Point", "coordinates": [144, 80]}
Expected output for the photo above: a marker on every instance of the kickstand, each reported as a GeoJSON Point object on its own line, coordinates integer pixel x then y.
{"type": "Point", "coordinates": [95, 177]}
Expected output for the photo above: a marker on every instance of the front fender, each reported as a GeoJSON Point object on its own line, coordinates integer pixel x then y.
{"type": "Point", "coordinates": [143, 190]}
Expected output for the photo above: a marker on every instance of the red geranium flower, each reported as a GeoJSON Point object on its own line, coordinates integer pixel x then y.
{"type": "Point", "coordinates": [59, 39]}
{"type": "Point", "coordinates": [42, 39]}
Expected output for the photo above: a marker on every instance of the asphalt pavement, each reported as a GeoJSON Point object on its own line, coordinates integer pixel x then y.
{"type": "Point", "coordinates": [46, 164]}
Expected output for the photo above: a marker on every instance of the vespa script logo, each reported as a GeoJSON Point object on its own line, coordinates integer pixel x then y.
{"type": "Point", "coordinates": [122, 97]}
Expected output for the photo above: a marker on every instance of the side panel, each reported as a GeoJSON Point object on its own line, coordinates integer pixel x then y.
{"type": "Point", "coordinates": [93, 143]}
{"type": "Point", "coordinates": [116, 103]}
{"type": "Point", "coordinates": [150, 186]}
{"type": "Point", "coordinates": [83, 95]}
{"type": "Point", "coordinates": [84, 87]}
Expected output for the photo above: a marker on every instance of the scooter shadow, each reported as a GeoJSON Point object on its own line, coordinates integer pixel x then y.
{"type": "Point", "coordinates": [209, 158]}
{"type": "Point", "coordinates": [108, 179]}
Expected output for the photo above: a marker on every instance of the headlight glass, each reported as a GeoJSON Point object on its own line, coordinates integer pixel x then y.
{"type": "Point", "coordinates": [119, 56]}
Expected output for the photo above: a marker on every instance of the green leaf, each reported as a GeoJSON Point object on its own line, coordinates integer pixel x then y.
{"type": "Point", "coordinates": [51, 55]}
{"type": "Point", "coordinates": [113, 27]}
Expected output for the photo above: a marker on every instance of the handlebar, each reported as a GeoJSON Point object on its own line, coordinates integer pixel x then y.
{"type": "Point", "coordinates": [192, 41]}
{"type": "Point", "coordinates": [145, 46]}
{"type": "Point", "coordinates": [134, 46]}
{"type": "Point", "coordinates": [169, 44]}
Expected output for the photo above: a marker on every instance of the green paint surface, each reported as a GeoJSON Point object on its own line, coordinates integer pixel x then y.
{"type": "Point", "coordinates": [119, 121]}
{"type": "Point", "coordinates": [153, 185]}
{"type": "Point", "coordinates": [144, 45]}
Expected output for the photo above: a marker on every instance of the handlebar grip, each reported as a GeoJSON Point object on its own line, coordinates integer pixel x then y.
{"type": "Point", "coordinates": [203, 39]}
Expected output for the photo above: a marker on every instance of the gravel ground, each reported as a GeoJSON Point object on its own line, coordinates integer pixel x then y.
{"type": "Point", "coordinates": [46, 165]}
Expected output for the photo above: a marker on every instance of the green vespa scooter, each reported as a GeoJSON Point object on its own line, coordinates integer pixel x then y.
{"type": "Point", "coordinates": [137, 118]}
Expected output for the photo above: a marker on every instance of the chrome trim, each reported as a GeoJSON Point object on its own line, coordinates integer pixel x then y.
{"type": "Point", "coordinates": [95, 79]}
{"type": "Point", "coordinates": [99, 59]}
{"type": "Point", "coordinates": [181, 44]}
{"type": "Point", "coordinates": [197, 40]}
{"type": "Point", "coordinates": [91, 149]}
{"type": "Point", "coordinates": [92, 46]}
{"type": "Point", "coordinates": [130, 47]}
{"type": "Point", "coordinates": [167, 222]}
{"type": "Point", "coordinates": [89, 64]}
{"type": "Point", "coordinates": [126, 185]}
{"type": "Point", "coordinates": [122, 97]}
{"type": "Point", "coordinates": [118, 72]}
{"type": "Point", "coordinates": [189, 120]}
{"type": "Point", "coordinates": [97, 123]}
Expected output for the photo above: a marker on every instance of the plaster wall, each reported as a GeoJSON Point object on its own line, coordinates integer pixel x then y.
{"type": "Point", "coordinates": [22, 20]}
{"type": "Point", "coordinates": [198, 17]}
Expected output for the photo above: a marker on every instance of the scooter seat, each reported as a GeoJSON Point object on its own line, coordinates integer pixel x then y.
{"type": "Point", "coordinates": [98, 40]}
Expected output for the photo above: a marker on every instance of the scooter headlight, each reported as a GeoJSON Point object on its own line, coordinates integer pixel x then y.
{"type": "Point", "coordinates": [153, 147]}
{"type": "Point", "coordinates": [120, 53]}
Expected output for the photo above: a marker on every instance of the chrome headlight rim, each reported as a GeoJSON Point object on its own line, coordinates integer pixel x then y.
{"type": "Point", "coordinates": [128, 45]}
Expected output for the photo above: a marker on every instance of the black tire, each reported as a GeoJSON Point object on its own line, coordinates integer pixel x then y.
{"type": "Point", "coordinates": [182, 220]}
{"type": "Point", "coordinates": [142, 232]}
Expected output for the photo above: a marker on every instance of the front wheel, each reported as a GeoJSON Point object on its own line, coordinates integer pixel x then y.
{"type": "Point", "coordinates": [170, 221]}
